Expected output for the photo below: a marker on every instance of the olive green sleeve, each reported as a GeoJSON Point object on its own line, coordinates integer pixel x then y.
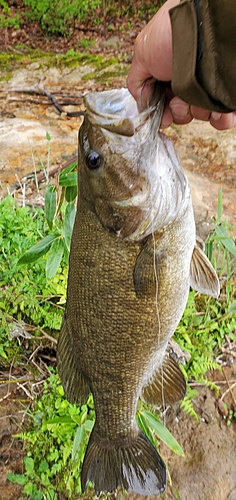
{"type": "Point", "coordinates": [204, 53]}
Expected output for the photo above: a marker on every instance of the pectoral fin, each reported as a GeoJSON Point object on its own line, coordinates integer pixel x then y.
{"type": "Point", "coordinates": [147, 269]}
{"type": "Point", "coordinates": [74, 383]}
{"type": "Point", "coordinates": [203, 277]}
{"type": "Point", "coordinates": [167, 385]}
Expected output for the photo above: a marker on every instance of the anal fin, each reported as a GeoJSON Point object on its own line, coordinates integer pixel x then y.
{"type": "Point", "coordinates": [75, 385]}
{"type": "Point", "coordinates": [167, 385]}
{"type": "Point", "coordinates": [131, 463]}
{"type": "Point", "coordinates": [203, 277]}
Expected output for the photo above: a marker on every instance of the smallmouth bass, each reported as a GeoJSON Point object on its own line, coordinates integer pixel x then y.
{"type": "Point", "coordinates": [133, 258]}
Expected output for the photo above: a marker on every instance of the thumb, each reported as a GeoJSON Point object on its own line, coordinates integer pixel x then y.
{"type": "Point", "coordinates": [141, 85]}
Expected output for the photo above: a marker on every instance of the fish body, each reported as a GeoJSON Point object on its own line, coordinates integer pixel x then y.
{"type": "Point", "coordinates": [133, 257]}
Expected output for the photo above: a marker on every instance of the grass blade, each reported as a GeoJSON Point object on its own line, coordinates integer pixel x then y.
{"type": "Point", "coordinates": [162, 432]}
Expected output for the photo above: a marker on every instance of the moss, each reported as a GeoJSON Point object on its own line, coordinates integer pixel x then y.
{"type": "Point", "coordinates": [6, 78]}
{"type": "Point", "coordinates": [106, 76]}
{"type": "Point", "coordinates": [73, 59]}
{"type": "Point", "coordinates": [11, 60]}
{"type": "Point", "coordinates": [25, 56]}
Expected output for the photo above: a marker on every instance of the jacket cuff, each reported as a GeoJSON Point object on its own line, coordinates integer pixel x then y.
{"type": "Point", "coordinates": [195, 72]}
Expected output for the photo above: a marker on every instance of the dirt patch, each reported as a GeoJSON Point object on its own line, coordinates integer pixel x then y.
{"type": "Point", "coordinates": [208, 470]}
{"type": "Point", "coordinates": [11, 453]}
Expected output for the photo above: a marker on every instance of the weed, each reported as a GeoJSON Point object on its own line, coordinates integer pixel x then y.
{"type": "Point", "coordinates": [85, 44]}
{"type": "Point", "coordinates": [220, 246]}
{"type": "Point", "coordinates": [207, 321]}
{"type": "Point", "coordinates": [97, 21]}
{"type": "Point", "coordinates": [231, 417]}
{"type": "Point", "coordinates": [55, 444]}
{"type": "Point", "coordinates": [57, 440]}
{"type": "Point", "coordinates": [7, 20]}
{"type": "Point", "coordinates": [24, 295]}
{"type": "Point", "coordinates": [60, 16]}
{"type": "Point", "coordinates": [59, 211]}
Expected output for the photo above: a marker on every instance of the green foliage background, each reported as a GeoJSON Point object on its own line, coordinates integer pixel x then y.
{"type": "Point", "coordinates": [57, 434]}
{"type": "Point", "coordinates": [62, 16]}
{"type": "Point", "coordinates": [27, 295]}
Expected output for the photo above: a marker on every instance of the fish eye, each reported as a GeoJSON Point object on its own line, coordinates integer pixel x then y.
{"type": "Point", "coordinates": [93, 160]}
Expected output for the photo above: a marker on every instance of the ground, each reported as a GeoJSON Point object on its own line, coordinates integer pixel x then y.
{"type": "Point", "coordinates": [208, 471]}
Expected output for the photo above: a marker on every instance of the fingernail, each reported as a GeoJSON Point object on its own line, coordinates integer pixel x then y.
{"type": "Point", "coordinates": [216, 116]}
{"type": "Point", "coordinates": [179, 110]}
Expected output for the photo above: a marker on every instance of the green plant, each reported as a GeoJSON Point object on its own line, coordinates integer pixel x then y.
{"type": "Point", "coordinates": [85, 44]}
{"type": "Point", "coordinates": [220, 246]}
{"type": "Point", "coordinates": [59, 211]}
{"type": "Point", "coordinates": [207, 321]}
{"type": "Point", "coordinates": [7, 19]}
{"type": "Point", "coordinates": [231, 417]}
{"type": "Point", "coordinates": [151, 425]}
{"type": "Point", "coordinates": [27, 297]}
{"type": "Point", "coordinates": [55, 444]}
{"type": "Point", "coordinates": [60, 16]}
{"type": "Point", "coordinates": [57, 440]}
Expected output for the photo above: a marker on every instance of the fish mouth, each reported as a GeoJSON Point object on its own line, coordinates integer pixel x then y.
{"type": "Point", "coordinates": [117, 111]}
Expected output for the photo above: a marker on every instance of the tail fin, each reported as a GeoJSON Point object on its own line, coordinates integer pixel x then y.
{"type": "Point", "coordinates": [132, 464]}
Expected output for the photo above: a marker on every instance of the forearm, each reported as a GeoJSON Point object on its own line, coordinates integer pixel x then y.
{"type": "Point", "coordinates": [204, 53]}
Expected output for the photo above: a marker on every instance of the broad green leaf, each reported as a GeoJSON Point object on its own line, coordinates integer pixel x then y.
{"type": "Point", "coordinates": [54, 258]}
{"type": "Point", "coordinates": [225, 239]}
{"type": "Point", "coordinates": [38, 250]}
{"type": "Point", "coordinates": [232, 308]}
{"type": "Point", "coordinates": [71, 193]}
{"type": "Point", "coordinates": [29, 464]}
{"type": "Point", "coordinates": [79, 437]}
{"type": "Point", "coordinates": [68, 169]}
{"type": "Point", "coordinates": [17, 478]}
{"type": "Point", "coordinates": [68, 180]}
{"type": "Point", "coordinates": [161, 431]}
{"type": "Point", "coordinates": [48, 137]}
{"type": "Point", "coordinates": [31, 490]}
{"type": "Point", "coordinates": [59, 420]}
{"type": "Point", "coordinates": [145, 428]}
{"type": "Point", "coordinates": [50, 205]}
{"type": "Point", "coordinates": [67, 177]}
{"type": "Point", "coordinates": [43, 466]}
{"type": "Point", "coordinates": [2, 352]}
{"type": "Point", "coordinates": [69, 223]}
{"type": "Point", "coordinates": [88, 425]}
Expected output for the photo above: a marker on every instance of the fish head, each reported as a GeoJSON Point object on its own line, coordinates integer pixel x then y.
{"type": "Point", "coordinates": [116, 147]}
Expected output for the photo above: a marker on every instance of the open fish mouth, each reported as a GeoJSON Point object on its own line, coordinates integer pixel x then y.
{"type": "Point", "coordinates": [117, 110]}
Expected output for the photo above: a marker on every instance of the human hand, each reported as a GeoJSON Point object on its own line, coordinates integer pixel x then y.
{"type": "Point", "coordinates": [178, 111]}
{"type": "Point", "coordinates": [153, 58]}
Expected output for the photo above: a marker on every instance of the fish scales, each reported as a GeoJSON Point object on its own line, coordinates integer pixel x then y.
{"type": "Point", "coordinates": [133, 257]}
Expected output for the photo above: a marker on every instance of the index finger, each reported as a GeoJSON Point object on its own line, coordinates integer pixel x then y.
{"type": "Point", "coordinates": [135, 82]}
